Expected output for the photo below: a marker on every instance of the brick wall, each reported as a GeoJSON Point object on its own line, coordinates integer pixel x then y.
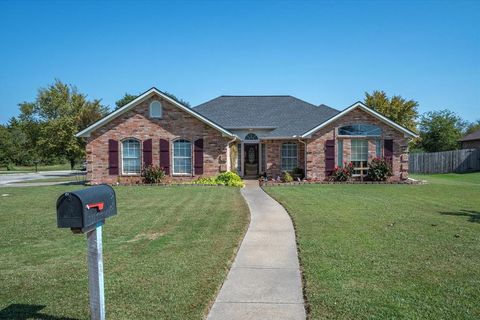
{"type": "Point", "coordinates": [274, 156]}
{"type": "Point", "coordinates": [316, 145]}
{"type": "Point", "coordinates": [175, 124]}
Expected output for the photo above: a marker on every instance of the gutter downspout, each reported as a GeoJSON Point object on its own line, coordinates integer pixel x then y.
{"type": "Point", "coordinates": [305, 155]}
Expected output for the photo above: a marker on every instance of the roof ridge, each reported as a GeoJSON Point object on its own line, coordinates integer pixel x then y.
{"type": "Point", "coordinates": [257, 95]}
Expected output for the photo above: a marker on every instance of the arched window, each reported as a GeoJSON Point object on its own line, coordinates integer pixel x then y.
{"type": "Point", "coordinates": [130, 156]}
{"type": "Point", "coordinates": [182, 157]}
{"type": "Point", "coordinates": [251, 136]}
{"type": "Point", "coordinates": [155, 109]}
{"type": "Point", "coordinates": [360, 130]}
{"type": "Point", "coordinates": [289, 156]}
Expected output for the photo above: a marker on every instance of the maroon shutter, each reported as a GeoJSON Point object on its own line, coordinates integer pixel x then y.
{"type": "Point", "coordinates": [329, 157]}
{"type": "Point", "coordinates": [388, 150]}
{"type": "Point", "coordinates": [198, 154]}
{"type": "Point", "coordinates": [112, 157]}
{"type": "Point", "coordinates": [147, 152]}
{"type": "Point", "coordinates": [165, 155]}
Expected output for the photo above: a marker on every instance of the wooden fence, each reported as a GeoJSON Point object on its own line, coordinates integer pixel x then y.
{"type": "Point", "coordinates": [445, 162]}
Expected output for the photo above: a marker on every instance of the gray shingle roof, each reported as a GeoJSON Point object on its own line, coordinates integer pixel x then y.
{"type": "Point", "coordinates": [472, 136]}
{"type": "Point", "coordinates": [286, 115]}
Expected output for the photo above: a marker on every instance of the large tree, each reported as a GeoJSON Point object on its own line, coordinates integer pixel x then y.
{"type": "Point", "coordinates": [440, 131]}
{"type": "Point", "coordinates": [396, 108]}
{"type": "Point", "coordinates": [472, 127]}
{"type": "Point", "coordinates": [127, 98]}
{"type": "Point", "coordinates": [51, 121]}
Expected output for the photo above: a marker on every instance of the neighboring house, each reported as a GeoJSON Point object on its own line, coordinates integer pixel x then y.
{"type": "Point", "coordinates": [471, 141]}
{"type": "Point", "coordinates": [251, 135]}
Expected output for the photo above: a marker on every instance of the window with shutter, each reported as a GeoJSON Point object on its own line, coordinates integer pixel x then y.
{"type": "Point", "coordinates": [329, 157]}
{"type": "Point", "coordinates": [112, 157]}
{"type": "Point", "coordinates": [165, 155]}
{"type": "Point", "coordinates": [147, 152]}
{"type": "Point", "coordinates": [198, 155]}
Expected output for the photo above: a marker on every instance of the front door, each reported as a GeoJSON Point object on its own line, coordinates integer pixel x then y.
{"type": "Point", "coordinates": [251, 159]}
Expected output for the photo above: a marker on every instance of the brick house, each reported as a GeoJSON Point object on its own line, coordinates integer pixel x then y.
{"type": "Point", "coordinates": [251, 135]}
{"type": "Point", "coordinates": [471, 141]}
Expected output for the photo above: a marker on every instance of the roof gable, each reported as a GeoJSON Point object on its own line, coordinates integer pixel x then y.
{"type": "Point", "coordinates": [86, 132]}
{"type": "Point", "coordinates": [366, 109]}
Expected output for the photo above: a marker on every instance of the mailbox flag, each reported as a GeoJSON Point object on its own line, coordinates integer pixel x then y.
{"type": "Point", "coordinates": [112, 157]}
{"type": "Point", "coordinates": [147, 152]}
{"type": "Point", "coordinates": [198, 154]}
{"type": "Point", "coordinates": [165, 155]}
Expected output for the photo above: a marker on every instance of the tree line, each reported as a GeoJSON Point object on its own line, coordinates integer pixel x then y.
{"type": "Point", "coordinates": [44, 131]}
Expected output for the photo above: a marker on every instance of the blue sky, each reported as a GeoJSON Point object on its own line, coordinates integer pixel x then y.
{"type": "Point", "coordinates": [321, 51]}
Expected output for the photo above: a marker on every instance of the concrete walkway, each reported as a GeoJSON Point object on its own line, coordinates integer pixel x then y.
{"type": "Point", "coordinates": [264, 281]}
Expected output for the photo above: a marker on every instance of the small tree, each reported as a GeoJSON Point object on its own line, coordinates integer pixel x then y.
{"type": "Point", "coordinates": [440, 131]}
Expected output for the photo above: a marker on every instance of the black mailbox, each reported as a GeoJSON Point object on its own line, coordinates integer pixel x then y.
{"type": "Point", "coordinates": [84, 209]}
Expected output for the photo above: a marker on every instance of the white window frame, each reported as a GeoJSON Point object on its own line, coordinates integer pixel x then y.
{"type": "Point", "coordinates": [139, 156]}
{"type": "Point", "coordinates": [251, 140]}
{"type": "Point", "coordinates": [289, 157]}
{"type": "Point", "coordinates": [150, 110]}
{"type": "Point", "coordinates": [185, 174]}
{"type": "Point", "coordinates": [365, 141]}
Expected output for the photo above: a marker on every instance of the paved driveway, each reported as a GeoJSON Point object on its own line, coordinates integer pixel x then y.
{"type": "Point", "coordinates": [6, 179]}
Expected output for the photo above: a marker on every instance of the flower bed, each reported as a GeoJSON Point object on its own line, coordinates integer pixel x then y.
{"type": "Point", "coordinates": [296, 183]}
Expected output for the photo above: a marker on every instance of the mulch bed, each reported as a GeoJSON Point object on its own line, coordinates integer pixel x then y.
{"type": "Point", "coordinates": [296, 183]}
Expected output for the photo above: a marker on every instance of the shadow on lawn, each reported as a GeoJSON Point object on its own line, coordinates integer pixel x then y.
{"type": "Point", "coordinates": [27, 311]}
{"type": "Point", "coordinates": [474, 216]}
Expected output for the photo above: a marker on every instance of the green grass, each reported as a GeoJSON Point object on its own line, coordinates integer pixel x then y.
{"type": "Point", "coordinates": [166, 253]}
{"type": "Point", "coordinates": [389, 251]}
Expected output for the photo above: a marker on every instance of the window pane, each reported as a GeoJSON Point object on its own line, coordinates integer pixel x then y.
{"type": "Point", "coordinates": [182, 157]}
{"type": "Point", "coordinates": [251, 136]}
{"type": "Point", "coordinates": [359, 154]}
{"type": "Point", "coordinates": [155, 109]}
{"type": "Point", "coordinates": [360, 130]}
{"type": "Point", "coordinates": [378, 148]}
{"type": "Point", "coordinates": [289, 156]}
{"type": "Point", "coordinates": [131, 156]}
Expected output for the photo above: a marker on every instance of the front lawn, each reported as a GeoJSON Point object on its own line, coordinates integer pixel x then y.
{"type": "Point", "coordinates": [166, 253]}
{"type": "Point", "coordinates": [389, 251]}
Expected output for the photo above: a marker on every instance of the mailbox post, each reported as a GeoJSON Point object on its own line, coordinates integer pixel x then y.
{"type": "Point", "coordinates": [85, 211]}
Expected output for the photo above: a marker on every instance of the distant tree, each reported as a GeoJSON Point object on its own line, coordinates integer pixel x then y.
{"type": "Point", "coordinates": [440, 130]}
{"type": "Point", "coordinates": [472, 127]}
{"type": "Point", "coordinates": [396, 108]}
{"type": "Point", "coordinates": [51, 121]}
{"type": "Point", "coordinates": [179, 100]}
{"type": "Point", "coordinates": [127, 98]}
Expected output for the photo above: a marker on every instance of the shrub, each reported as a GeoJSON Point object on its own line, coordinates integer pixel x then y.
{"type": "Point", "coordinates": [286, 177]}
{"type": "Point", "coordinates": [153, 174]}
{"type": "Point", "coordinates": [298, 172]}
{"type": "Point", "coordinates": [208, 181]}
{"type": "Point", "coordinates": [343, 173]}
{"type": "Point", "coordinates": [379, 170]}
{"type": "Point", "coordinates": [230, 179]}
